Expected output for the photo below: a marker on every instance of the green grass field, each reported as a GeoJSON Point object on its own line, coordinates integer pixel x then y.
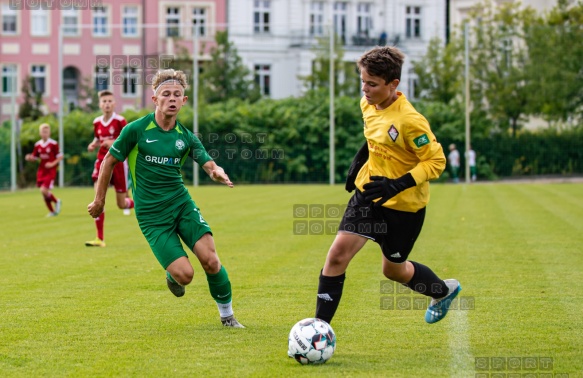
{"type": "Point", "coordinates": [71, 311]}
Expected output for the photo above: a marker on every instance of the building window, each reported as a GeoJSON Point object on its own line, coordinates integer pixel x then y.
{"type": "Point", "coordinates": [199, 21]}
{"type": "Point", "coordinates": [263, 78]}
{"type": "Point", "coordinates": [413, 22]}
{"type": "Point", "coordinates": [130, 21]}
{"type": "Point", "coordinates": [39, 78]}
{"type": "Point", "coordinates": [172, 22]}
{"type": "Point", "coordinates": [261, 16]}
{"type": "Point", "coordinates": [317, 18]}
{"type": "Point", "coordinates": [70, 21]}
{"type": "Point", "coordinates": [70, 80]}
{"type": "Point", "coordinates": [9, 20]}
{"type": "Point", "coordinates": [100, 21]}
{"type": "Point", "coordinates": [340, 20]}
{"type": "Point", "coordinates": [364, 19]}
{"type": "Point", "coordinates": [8, 75]}
{"type": "Point", "coordinates": [130, 81]}
{"type": "Point", "coordinates": [39, 22]}
{"type": "Point", "coordinates": [413, 82]}
{"type": "Point", "coordinates": [101, 78]}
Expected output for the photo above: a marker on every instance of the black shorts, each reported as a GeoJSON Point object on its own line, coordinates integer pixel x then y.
{"type": "Point", "coordinates": [395, 231]}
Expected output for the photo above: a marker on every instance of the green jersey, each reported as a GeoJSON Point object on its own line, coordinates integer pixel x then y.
{"type": "Point", "coordinates": [155, 158]}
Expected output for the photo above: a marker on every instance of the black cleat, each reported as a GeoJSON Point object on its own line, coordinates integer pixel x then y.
{"type": "Point", "coordinates": [176, 289]}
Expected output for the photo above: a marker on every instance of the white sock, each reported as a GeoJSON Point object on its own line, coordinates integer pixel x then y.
{"type": "Point", "coordinates": [225, 309]}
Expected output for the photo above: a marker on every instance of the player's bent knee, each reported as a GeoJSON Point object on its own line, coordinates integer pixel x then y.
{"type": "Point", "coordinates": [181, 271]}
{"type": "Point", "coordinates": [183, 277]}
{"type": "Point", "coordinates": [211, 266]}
{"type": "Point", "coordinates": [337, 258]}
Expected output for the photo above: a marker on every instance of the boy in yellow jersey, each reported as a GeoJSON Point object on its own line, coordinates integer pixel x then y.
{"type": "Point", "coordinates": [390, 175]}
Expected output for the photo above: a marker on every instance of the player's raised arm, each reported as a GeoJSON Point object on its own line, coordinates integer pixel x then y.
{"type": "Point", "coordinates": [95, 208]}
{"type": "Point", "coordinates": [217, 173]}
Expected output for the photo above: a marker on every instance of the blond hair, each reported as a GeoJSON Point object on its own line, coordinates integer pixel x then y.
{"type": "Point", "coordinates": [44, 126]}
{"type": "Point", "coordinates": [168, 76]}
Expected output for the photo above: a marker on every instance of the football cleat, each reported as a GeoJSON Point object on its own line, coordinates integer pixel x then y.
{"type": "Point", "coordinates": [127, 212]}
{"type": "Point", "coordinates": [175, 288]}
{"type": "Point", "coordinates": [230, 321]}
{"type": "Point", "coordinates": [51, 214]}
{"type": "Point", "coordinates": [438, 307]}
{"type": "Point", "coordinates": [95, 243]}
{"type": "Point", "coordinates": [58, 207]}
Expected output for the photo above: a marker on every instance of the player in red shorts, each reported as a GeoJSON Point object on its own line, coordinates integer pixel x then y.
{"type": "Point", "coordinates": [47, 151]}
{"type": "Point", "coordinates": [106, 129]}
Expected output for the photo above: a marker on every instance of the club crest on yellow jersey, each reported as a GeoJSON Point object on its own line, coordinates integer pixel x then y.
{"type": "Point", "coordinates": [393, 133]}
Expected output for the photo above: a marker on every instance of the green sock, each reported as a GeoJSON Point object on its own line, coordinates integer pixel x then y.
{"type": "Point", "coordinates": [170, 277]}
{"type": "Point", "coordinates": [220, 286]}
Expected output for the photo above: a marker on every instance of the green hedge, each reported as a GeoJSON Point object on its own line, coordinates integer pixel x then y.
{"type": "Point", "coordinates": [547, 152]}
{"type": "Point", "coordinates": [276, 141]}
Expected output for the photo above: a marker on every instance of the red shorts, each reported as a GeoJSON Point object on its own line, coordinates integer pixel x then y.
{"type": "Point", "coordinates": [46, 178]}
{"type": "Point", "coordinates": [118, 177]}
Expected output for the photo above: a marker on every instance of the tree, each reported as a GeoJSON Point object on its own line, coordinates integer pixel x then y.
{"type": "Point", "coordinates": [346, 79]}
{"type": "Point", "coordinates": [33, 100]}
{"type": "Point", "coordinates": [88, 96]}
{"type": "Point", "coordinates": [556, 53]}
{"type": "Point", "coordinates": [521, 64]}
{"type": "Point", "coordinates": [498, 62]}
{"type": "Point", "coordinates": [441, 86]}
{"type": "Point", "coordinates": [438, 72]}
{"type": "Point", "coordinates": [225, 76]}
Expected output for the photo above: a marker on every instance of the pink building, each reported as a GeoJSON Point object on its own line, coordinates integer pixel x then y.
{"type": "Point", "coordinates": [105, 44]}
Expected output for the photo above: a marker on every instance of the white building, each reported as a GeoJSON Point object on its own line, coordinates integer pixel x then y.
{"type": "Point", "coordinates": [275, 38]}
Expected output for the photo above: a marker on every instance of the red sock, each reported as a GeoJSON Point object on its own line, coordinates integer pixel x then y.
{"type": "Point", "coordinates": [49, 204]}
{"type": "Point", "coordinates": [52, 198]}
{"type": "Point", "coordinates": [99, 225]}
{"type": "Point", "coordinates": [129, 203]}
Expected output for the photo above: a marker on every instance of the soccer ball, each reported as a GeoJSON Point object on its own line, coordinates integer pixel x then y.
{"type": "Point", "coordinates": [311, 341]}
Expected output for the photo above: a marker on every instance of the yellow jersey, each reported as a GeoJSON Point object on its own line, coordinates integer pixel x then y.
{"type": "Point", "coordinates": [399, 141]}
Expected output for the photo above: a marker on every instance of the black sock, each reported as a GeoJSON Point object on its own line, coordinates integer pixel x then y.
{"type": "Point", "coordinates": [329, 294]}
{"type": "Point", "coordinates": [425, 282]}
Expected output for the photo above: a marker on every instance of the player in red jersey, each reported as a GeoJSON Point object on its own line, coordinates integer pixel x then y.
{"type": "Point", "coordinates": [106, 129]}
{"type": "Point", "coordinates": [47, 151]}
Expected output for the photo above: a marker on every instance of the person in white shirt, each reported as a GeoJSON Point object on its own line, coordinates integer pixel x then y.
{"type": "Point", "coordinates": [471, 156]}
{"type": "Point", "coordinates": [454, 162]}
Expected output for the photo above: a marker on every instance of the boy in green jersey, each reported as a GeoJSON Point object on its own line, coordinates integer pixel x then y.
{"type": "Point", "coordinates": [156, 147]}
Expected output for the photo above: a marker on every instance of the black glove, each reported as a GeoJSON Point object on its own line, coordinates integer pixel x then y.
{"type": "Point", "coordinates": [386, 188]}
{"type": "Point", "coordinates": [359, 159]}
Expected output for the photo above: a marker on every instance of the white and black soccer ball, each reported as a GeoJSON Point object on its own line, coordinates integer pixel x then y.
{"type": "Point", "coordinates": [311, 341]}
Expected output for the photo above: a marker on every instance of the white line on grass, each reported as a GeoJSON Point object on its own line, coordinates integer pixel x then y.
{"type": "Point", "coordinates": [462, 360]}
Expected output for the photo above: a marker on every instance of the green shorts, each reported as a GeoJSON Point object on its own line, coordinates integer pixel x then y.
{"type": "Point", "coordinates": [164, 231]}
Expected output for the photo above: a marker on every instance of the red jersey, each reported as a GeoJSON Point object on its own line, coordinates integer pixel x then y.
{"type": "Point", "coordinates": [46, 152]}
{"type": "Point", "coordinates": [107, 130]}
